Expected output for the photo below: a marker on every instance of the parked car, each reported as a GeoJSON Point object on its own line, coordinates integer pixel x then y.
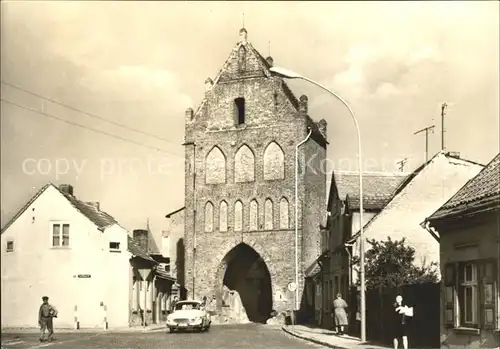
{"type": "Point", "coordinates": [189, 315]}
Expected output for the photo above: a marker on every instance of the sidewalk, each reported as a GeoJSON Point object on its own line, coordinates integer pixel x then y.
{"type": "Point", "coordinates": [153, 327]}
{"type": "Point", "coordinates": [328, 338]}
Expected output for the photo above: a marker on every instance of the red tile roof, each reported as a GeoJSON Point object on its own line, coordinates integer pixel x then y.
{"type": "Point", "coordinates": [378, 188]}
{"type": "Point", "coordinates": [481, 191]}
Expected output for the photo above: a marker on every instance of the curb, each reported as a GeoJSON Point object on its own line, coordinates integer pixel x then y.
{"type": "Point", "coordinates": [315, 341]}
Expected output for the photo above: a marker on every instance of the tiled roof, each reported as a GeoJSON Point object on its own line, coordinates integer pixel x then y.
{"type": "Point", "coordinates": [457, 171]}
{"type": "Point", "coordinates": [137, 251]}
{"type": "Point", "coordinates": [162, 273]}
{"type": "Point", "coordinates": [98, 217]}
{"type": "Point", "coordinates": [480, 191]}
{"type": "Point", "coordinates": [378, 188]}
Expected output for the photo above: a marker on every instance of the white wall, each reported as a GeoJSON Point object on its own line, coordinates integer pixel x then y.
{"type": "Point", "coordinates": [428, 191]}
{"type": "Point", "coordinates": [35, 269]}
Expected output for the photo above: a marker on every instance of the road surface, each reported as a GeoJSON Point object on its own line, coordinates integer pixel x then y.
{"type": "Point", "coordinates": [249, 336]}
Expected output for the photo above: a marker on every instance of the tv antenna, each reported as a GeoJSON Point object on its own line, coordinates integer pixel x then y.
{"type": "Point", "coordinates": [402, 164]}
{"type": "Point", "coordinates": [427, 130]}
{"type": "Point", "coordinates": [443, 108]}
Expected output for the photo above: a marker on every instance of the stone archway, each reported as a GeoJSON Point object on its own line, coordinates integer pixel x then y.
{"type": "Point", "coordinates": [243, 270]}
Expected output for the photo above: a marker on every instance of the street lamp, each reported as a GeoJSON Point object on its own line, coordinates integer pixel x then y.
{"type": "Point", "coordinates": [284, 73]}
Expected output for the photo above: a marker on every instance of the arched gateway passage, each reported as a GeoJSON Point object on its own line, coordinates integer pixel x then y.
{"type": "Point", "coordinates": [247, 273]}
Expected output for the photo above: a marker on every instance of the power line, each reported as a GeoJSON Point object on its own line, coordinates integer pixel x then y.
{"type": "Point", "coordinates": [87, 128]}
{"type": "Point", "coordinates": [84, 112]}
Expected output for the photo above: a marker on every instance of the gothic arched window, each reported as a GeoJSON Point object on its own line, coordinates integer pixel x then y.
{"type": "Point", "coordinates": [268, 215]}
{"type": "Point", "coordinates": [244, 165]}
{"type": "Point", "coordinates": [209, 217]}
{"type": "Point", "coordinates": [238, 216]}
{"type": "Point", "coordinates": [215, 167]}
{"type": "Point", "coordinates": [274, 162]}
{"type": "Point", "coordinates": [223, 216]}
{"type": "Point", "coordinates": [284, 214]}
{"type": "Point", "coordinates": [254, 216]}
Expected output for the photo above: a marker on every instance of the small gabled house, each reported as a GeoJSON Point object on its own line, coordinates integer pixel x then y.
{"type": "Point", "coordinates": [420, 194]}
{"type": "Point", "coordinates": [71, 251]}
{"type": "Point", "coordinates": [79, 256]}
{"type": "Point", "coordinates": [468, 225]}
{"type": "Point", "coordinates": [378, 189]}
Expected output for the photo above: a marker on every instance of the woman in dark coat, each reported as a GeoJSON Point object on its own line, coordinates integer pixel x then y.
{"type": "Point", "coordinates": [399, 323]}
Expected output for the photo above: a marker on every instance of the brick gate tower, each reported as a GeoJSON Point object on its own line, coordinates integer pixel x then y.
{"type": "Point", "coordinates": [240, 187]}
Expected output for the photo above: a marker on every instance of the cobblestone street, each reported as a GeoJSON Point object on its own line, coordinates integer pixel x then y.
{"type": "Point", "coordinates": [219, 337]}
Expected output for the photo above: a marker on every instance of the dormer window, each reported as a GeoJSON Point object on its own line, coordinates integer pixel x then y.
{"type": "Point", "coordinates": [114, 247]}
{"type": "Point", "coordinates": [240, 110]}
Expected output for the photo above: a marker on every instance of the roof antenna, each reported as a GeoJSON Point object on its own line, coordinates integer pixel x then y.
{"type": "Point", "coordinates": [147, 223]}
{"type": "Point", "coordinates": [243, 19]}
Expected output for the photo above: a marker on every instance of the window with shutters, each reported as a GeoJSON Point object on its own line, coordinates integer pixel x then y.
{"type": "Point", "coordinates": [488, 294]}
{"type": "Point", "coordinates": [470, 294]}
{"type": "Point", "coordinates": [468, 297]}
{"type": "Point", "coordinates": [449, 295]}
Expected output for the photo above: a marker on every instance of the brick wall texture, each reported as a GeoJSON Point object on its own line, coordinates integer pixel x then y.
{"type": "Point", "coordinates": [250, 169]}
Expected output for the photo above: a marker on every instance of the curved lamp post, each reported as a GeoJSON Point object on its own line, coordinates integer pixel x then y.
{"type": "Point", "coordinates": [284, 73]}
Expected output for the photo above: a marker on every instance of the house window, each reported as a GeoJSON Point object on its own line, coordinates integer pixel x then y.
{"type": "Point", "coordinates": [114, 246]}
{"type": "Point", "coordinates": [10, 246]}
{"type": "Point", "coordinates": [60, 235]}
{"type": "Point", "coordinates": [469, 294]}
{"type": "Point", "coordinates": [240, 110]}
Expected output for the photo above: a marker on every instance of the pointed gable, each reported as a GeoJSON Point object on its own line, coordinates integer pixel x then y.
{"type": "Point", "coordinates": [480, 193]}
{"type": "Point", "coordinates": [418, 196]}
{"type": "Point", "coordinates": [245, 61]}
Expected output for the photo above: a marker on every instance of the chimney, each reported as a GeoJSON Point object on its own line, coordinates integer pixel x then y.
{"type": "Point", "coordinates": [141, 237]}
{"type": "Point", "coordinates": [270, 61]}
{"type": "Point", "coordinates": [189, 114]}
{"type": "Point", "coordinates": [322, 125]}
{"type": "Point", "coordinates": [208, 84]}
{"type": "Point", "coordinates": [94, 205]}
{"type": "Point", "coordinates": [66, 188]}
{"type": "Point", "coordinates": [243, 35]}
{"type": "Point", "coordinates": [303, 104]}
{"type": "Point", "coordinates": [453, 154]}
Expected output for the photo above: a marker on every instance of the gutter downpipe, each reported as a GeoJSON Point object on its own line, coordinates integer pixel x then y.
{"type": "Point", "coordinates": [346, 246]}
{"type": "Point", "coordinates": [297, 301]}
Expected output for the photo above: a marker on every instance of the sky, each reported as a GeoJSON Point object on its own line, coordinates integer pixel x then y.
{"type": "Point", "coordinates": [141, 65]}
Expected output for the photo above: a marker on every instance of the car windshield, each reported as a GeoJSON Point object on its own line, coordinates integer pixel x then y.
{"type": "Point", "coordinates": [187, 306]}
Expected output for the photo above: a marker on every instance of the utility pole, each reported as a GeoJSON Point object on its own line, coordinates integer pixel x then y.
{"type": "Point", "coordinates": [427, 130]}
{"type": "Point", "coordinates": [443, 107]}
{"type": "Point", "coordinates": [402, 164]}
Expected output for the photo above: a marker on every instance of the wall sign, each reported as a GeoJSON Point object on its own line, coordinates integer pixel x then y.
{"type": "Point", "coordinates": [83, 276]}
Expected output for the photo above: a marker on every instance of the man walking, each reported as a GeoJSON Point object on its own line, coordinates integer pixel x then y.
{"type": "Point", "coordinates": [45, 315]}
{"type": "Point", "coordinates": [174, 302]}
